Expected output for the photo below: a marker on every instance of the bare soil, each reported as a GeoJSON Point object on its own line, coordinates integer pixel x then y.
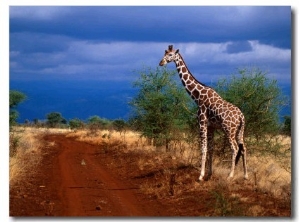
{"type": "Point", "coordinates": [81, 179]}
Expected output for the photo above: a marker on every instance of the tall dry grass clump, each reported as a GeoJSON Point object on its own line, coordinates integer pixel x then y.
{"type": "Point", "coordinates": [133, 140]}
{"type": "Point", "coordinates": [25, 151]}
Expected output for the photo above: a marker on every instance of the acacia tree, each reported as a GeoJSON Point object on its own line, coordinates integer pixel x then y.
{"type": "Point", "coordinates": [76, 123]}
{"type": "Point", "coordinates": [54, 119]}
{"type": "Point", "coordinates": [15, 98]}
{"type": "Point", "coordinates": [99, 123]}
{"type": "Point", "coordinates": [259, 98]}
{"type": "Point", "coordinates": [120, 125]}
{"type": "Point", "coordinates": [161, 106]}
{"type": "Point", "coordinates": [287, 125]}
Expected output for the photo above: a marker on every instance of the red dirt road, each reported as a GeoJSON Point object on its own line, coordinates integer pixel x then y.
{"type": "Point", "coordinates": [88, 187]}
{"type": "Point", "coordinates": [74, 180]}
{"type": "Point", "coordinates": [79, 179]}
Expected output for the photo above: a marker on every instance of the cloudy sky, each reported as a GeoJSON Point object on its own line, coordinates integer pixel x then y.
{"type": "Point", "coordinates": [108, 43]}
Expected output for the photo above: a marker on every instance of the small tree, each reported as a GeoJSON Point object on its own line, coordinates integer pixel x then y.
{"type": "Point", "coordinates": [15, 98]}
{"type": "Point", "coordinates": [54, 119]}
{"type": "Point", "coordinates": [76, 123]}
{"type": "Point", "coordinates": [38, 123]}
{"type": "Point", "coordinates": [119, 125]}
{"type": "Point", "coordinates": [259, 98]}
{"type": "Point", "coordinates": [287, 125]}
{"type": "Point", "coordinates": [99, 123]}
{"type": "Point", "coordinates": [160, 107]}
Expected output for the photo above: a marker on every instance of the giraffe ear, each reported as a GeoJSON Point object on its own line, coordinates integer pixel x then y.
{"type": "Point", "coordinates": [177, 51]}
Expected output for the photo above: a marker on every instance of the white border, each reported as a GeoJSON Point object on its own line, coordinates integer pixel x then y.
{"type": "Point", "coordinates": [4, 87]}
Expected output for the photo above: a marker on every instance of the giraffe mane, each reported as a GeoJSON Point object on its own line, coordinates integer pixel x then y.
{"type": "Point", "coordinates": [192, 74]}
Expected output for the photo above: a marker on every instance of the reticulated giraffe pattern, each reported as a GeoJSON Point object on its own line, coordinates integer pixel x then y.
{"type": "Point", "coordinates": [213, 113]}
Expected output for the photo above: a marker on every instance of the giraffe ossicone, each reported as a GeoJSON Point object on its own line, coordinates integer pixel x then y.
{"type": "Point", "coordinates": [213, 113]}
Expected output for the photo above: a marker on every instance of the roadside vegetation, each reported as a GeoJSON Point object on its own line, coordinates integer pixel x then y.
{"type": "Point", "coordinates": [171, 176]}
{"type": "Point", "coordinates": [25, 151]}
{"type": "Point", "coordinates": [163, 133]}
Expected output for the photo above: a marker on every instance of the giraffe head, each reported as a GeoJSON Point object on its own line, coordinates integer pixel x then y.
{"type": "Point", "coordinates": [170, 55]}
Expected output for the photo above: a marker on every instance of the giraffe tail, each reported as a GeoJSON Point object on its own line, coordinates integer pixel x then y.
{"type": "Point", "coordinates": [240, 151]}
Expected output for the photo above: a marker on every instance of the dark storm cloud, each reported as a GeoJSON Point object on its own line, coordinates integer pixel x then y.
{"type": "Point", "coordinates": [158, 23]}
{"type": "Point", "coordinates": [239, 46]}
{"type": "Point", "coordinates": [27, 42]}
{"type": "Point", "coordinates": [110, 42]}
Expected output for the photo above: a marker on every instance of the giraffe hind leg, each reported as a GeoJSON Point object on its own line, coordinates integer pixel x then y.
{"type": "Point", "coordinates": [240, 152]}
{"type": "Point", "coordinates": [244, 156]}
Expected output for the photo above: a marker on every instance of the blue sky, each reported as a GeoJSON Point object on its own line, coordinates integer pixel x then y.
{"type": "Point", "coordinates": [108, 43]}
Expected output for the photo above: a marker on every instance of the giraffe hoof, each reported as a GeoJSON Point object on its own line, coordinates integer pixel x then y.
{"type": "Point", "coordinates": [246, 177]}
{"type": "Point", "coordinates": [208, 177]}
{"type": "Point", "coordinates": [199, 180]}
{"type": "Point", "coordinates": [229, 178]}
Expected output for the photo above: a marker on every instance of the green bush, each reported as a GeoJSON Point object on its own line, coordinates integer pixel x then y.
{"type": "Point", "coordinates": [258, 97]}
{"type": "Point", "coordinates": [15, 98]}
{"type": "Point", "coordinates": [76, 123]}
{"type": "Point", "coordinates": [55, 119]}
{"type": "Point", "coordinates": [287, 125]}
{"type": "Point", "coordinates": [161, 109]}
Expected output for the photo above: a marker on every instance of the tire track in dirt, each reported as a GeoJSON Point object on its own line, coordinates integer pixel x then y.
{"type": "Point", "coordinates": [85, 185]}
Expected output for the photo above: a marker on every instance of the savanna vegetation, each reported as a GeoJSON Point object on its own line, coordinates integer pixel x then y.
{"type": "Point", "coordinates": [163, 125]}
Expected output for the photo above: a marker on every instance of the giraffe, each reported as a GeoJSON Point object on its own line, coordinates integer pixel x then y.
{"type": "Point", "coordinates": [213, 113]}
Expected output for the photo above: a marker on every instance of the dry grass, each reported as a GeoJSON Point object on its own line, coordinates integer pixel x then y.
{"type": "Point", "coordinates": [133, 140]}
{"type": "Point", "coordinates": [25, 151]}
{"type": "Point", "coordinates": [266, 173]}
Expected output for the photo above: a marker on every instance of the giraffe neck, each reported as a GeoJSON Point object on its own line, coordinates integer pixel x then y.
{"type": "Point", "coordinates": [191, 84]}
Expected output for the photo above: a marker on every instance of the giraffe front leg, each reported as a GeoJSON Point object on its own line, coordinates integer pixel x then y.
{"type": "Point", "coordinates": [203, 159]}
{"type": "Point", "coordinates": [210, 143]}
{"type": "Point", "coordinates": [203, 142]}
